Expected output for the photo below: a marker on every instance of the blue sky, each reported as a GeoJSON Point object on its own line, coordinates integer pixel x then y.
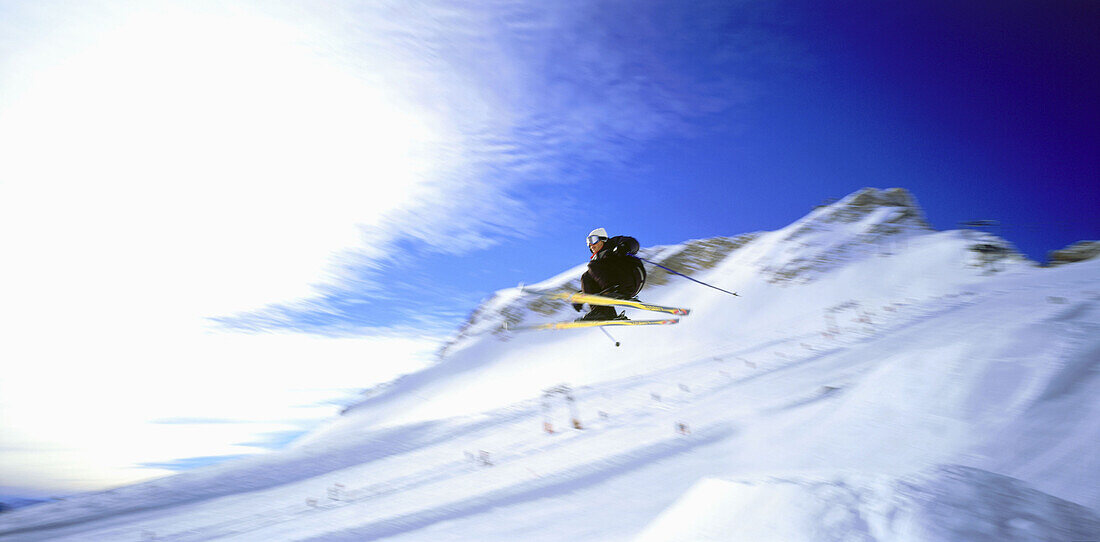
{"type": "Point", "coordinates": [346, 181]}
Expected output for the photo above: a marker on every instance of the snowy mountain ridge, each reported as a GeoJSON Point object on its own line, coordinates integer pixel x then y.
{"type": "Point", "coordinates": [876, 380]}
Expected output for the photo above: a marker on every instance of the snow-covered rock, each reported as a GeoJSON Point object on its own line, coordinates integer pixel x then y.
{"type": "Point", "coordinates": [1077, 252]}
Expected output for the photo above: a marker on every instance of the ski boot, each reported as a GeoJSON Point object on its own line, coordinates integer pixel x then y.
{"type": "Point", "coordinates": [602, 312]}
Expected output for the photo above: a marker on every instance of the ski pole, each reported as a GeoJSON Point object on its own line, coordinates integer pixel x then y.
{"type": "Point", "coordinates": [685, 276]}
{"type": "Point", "coordinates": [605, 332]}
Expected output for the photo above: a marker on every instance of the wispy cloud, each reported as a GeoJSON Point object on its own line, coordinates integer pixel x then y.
{"type": "Point", "coordinates": [536, 94]}
{"type": "Point", "coordinates": [190, 462]}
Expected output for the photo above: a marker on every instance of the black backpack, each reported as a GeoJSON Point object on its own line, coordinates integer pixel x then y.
{"type": "Point", "coordinates": [622, 245]}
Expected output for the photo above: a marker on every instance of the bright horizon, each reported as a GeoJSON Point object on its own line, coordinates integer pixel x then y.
{"type": "Point", "coordinates": [245, 229]}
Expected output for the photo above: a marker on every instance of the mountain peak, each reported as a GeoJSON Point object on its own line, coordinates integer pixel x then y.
{"type": "Point", "coordinates": [857, 205]}
{"type": "Point", "coordinates": [864, 222]}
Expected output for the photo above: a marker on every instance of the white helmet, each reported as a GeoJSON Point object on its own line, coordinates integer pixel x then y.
{"type": "Point", "coordinates": [596, 236]}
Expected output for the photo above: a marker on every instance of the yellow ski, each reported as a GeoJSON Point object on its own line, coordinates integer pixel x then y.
{"type": "Point", "coordinates": [610, 301]}
{"type": "Point", "coordinates": [595, 323]}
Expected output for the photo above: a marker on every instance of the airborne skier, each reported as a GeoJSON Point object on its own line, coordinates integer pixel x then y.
{"type": "Point", "coordinates": [612, 272]}
{"type": "Point", "coordinates": [614, 277]}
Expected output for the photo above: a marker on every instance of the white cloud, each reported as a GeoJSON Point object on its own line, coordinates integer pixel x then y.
{"type": "Point", "coordinates": [231, 166]}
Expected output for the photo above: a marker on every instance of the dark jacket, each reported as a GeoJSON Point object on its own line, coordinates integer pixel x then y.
{"type": "Point", "coordinates": [614, 271]}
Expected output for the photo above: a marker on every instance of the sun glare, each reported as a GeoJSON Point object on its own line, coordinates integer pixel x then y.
{"type": "Point", "coordinates": [163, 165]}
{"type": "Point", "coordinates": [228, 151]}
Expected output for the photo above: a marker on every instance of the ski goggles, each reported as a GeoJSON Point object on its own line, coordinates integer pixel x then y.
{"type": "Point", "coordinates": [593, 239]}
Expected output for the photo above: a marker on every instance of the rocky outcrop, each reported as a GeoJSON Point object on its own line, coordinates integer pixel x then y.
{"type": "Point", "coordinates": [1077, 252]}
{"type": "Point", "coordinates": [870, 221]}
{"type": "Point", "coordinates": [860, 204]}
{"type": "Point", "coordinates": [698, 255]}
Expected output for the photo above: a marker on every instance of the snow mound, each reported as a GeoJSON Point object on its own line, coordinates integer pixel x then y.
{"type": "Point", "coordinates": [948, 502]}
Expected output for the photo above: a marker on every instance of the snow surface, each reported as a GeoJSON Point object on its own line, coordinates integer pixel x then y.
{"type": "Point", "coordinates": [875, 380]}
{"type": "Point", "coordinates": [950, 502]}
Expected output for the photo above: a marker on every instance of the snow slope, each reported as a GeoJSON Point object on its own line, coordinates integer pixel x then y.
{"type": "Point", "coordinates": [876, 380]}
{"type": "Point", "coordinates": [949, 502]}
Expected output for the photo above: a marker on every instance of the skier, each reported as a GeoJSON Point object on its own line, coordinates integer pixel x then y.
{"type": "Point", "coordinates": [613, 271]}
